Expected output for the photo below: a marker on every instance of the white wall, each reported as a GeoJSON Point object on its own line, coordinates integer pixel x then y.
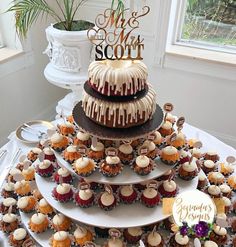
{"type": "Point", "coordinates": [207, 102]}
{"type": "Point", "coordinates": [25, 94]}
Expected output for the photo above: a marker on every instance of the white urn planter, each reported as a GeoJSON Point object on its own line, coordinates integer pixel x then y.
{"type": "Point", "coordinates": [69, 53]}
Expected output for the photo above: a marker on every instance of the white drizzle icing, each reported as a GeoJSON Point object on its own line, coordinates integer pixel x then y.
{"type": "Point", "coordinates": [128, 112]}
{"type": "Point", "coordinates": [60, 236]}
{"type": "Point", "coordinates": [19, 234]}
{"type": "Point", "coordinates": [131, 75]}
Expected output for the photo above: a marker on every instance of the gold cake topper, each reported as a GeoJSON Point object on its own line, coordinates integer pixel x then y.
{"type": "Point", "coordinates": [114, 36]}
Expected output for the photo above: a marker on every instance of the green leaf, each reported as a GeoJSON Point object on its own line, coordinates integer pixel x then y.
{"type": "Point", "coordinates": [27, 12]}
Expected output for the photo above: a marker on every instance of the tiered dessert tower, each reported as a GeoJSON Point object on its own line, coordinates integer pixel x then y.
{"type": "Point", "coordinates": [118, 107]}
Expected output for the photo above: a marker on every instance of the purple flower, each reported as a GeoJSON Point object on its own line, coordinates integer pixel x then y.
{"type": "Point", "coordinates": [201, 229]}
{"type": "Point", "coordinates": [184, 229]}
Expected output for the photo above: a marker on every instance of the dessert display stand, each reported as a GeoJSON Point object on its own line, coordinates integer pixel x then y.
{"type": "Point", "coordinates": [116, 218]}
{"type": "Point", "coordinates": [209, 142]}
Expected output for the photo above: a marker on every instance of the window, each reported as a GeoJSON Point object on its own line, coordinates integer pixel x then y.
{"type": "Point", "coordinates": [209, 24]}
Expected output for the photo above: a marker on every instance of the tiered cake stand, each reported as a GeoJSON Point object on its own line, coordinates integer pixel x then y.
{"type": "Point", "coordinates": [123, 216]}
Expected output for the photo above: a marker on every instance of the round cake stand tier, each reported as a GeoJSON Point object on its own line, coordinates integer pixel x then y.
{"type": "Point", "coordinates": [102, 132]}
{"type": "Point", "coordinates": [127, 176]}
{"type": "Point", "coordinates": [122, 216]}
{"type": "Point", "coordinates": [42, 238]}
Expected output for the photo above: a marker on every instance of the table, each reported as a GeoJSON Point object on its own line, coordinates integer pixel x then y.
{"type": "Point", "coordinates": [209, 143]}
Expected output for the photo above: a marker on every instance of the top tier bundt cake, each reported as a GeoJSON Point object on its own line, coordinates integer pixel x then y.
{"type": "Point", "coordinates": [117, 94]}
{"type": "Point", "coordinates": [117, 77]}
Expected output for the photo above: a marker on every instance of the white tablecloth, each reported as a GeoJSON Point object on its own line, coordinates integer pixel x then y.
{"type": "Point", "coordinates": [209, 143]}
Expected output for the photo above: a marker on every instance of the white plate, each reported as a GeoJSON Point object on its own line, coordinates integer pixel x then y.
{"type": "Point", "coordinates": [122, 216]}
{"type": "Point", "coordinates": [127, 176]}
{"type": "Point", "coordinates": [32, 138]}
